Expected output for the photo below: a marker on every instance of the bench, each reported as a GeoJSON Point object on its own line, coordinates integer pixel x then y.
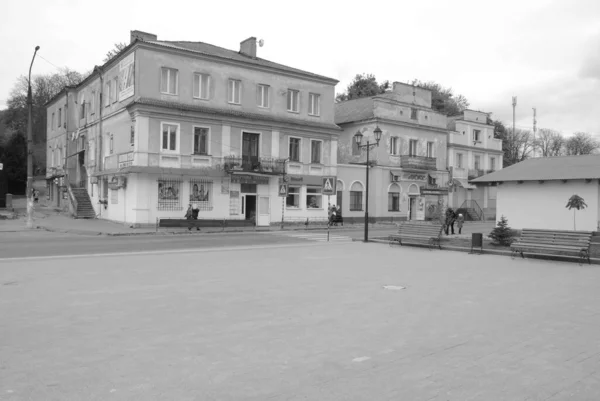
{"type": "Point", "coordinates": [564, 243]}
{"type": "Point", "coordinates": [202, 223]}
{"type": "Point", "coordinates": [423, 233]}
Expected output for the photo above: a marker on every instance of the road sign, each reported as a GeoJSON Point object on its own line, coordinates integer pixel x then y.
{"type": "Point", "coordinates": [329, 185]}
{"type": "Point", "coordinates": [283, 190]}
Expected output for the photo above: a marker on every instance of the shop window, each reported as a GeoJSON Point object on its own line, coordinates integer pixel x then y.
{"type": "Point", "coordinates": [394, 198]}
{"type": "Point", "coordinates": [201, 194]}
{"type": "Point", "coordinates": [356, 195]}
{"type": "Point", "coordinates": [314, 198]}
{"type": "Point", "coordinates": [169, 194]}
{"type": "Point", "coordinates": [293, 198]}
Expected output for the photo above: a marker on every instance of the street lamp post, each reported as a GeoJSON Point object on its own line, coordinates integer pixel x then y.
{"type": "Point", "coordinates": [29, 195]}
{"type": "Point", "coordinates": [358, 138]}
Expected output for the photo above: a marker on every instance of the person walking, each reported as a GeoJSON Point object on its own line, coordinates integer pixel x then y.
{"type": "Point", "coordinates": [450, 219]}
{"type": "Point", "coordinates": [330, 214]}
{"type": "Point", "coordinates": [195, 212]}
{"type": "Point", "coordinates": [459, 222]}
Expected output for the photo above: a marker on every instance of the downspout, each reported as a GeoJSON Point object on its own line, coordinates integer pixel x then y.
{"type": "Point", "coordinates": [99, 132]}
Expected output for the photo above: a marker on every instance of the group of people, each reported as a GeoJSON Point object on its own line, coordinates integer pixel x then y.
{"type": "Point", "coordinates": [192, 214]}
{"type": "Point", "coordinates": [335, 215]}
{"type": "Point", "coordinates": [451, 218]}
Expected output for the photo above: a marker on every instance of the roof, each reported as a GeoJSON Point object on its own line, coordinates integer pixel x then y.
{"type": "Point", "coordinates": [229, 113]}
{"type": "Point", "coordinates": [547, 169]}
{"type": "Point", "coordinates": [354, 110]}
{"type": "Point", "coordinates": [212, 50]}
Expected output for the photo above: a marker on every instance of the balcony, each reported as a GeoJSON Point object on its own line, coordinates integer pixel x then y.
{"type": "Point", "coordinates": [263, 165]}
{"type": "Point", "coordinates": [418, 162]}
{"type": "Point", "coordinates": [474, 173]}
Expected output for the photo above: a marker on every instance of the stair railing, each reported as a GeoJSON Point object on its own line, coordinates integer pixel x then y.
{"type": "Point", "coordinates": [73, 201]}
{"type": "Point", "coordinates": [472, 204]}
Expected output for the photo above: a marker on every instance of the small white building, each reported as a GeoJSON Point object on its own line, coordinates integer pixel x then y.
{"type": "Point", "coordinates": [534, 193]}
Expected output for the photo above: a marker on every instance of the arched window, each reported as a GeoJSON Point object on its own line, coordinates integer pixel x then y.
{"type": "Point", "coordinates": [356, 195]}
{"type": "Point", "coordinates": [394, 198]}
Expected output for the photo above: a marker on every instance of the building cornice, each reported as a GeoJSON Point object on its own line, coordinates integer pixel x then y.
{"type": "Point", "coordinates": [473, 148]}
{"type": "Point", "coordinates": [396, 122]}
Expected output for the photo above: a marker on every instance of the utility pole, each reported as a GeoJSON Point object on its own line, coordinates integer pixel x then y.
{"type": "Point", "coordinates": [534, 129]}
{"type": "Point", "coordinates": [29, 194]}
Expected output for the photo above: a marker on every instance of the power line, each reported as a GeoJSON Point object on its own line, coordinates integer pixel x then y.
{"type": "Point", "coordinates": [49, 62]}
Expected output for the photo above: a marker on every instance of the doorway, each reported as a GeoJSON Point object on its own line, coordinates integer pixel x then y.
{"type": "Point", "coordinates": [249, 204]}
{"type": "Point", "coordinates": [412, 207]}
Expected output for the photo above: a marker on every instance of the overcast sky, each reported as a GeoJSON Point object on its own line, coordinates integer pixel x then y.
{"type": "Point", "coordinates": [545, 52]}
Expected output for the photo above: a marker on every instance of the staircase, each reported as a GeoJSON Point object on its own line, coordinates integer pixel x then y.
{"type": "Point", "coordinates": [471, 211]}
{"type": "Point", "coordinates": [83, 204]}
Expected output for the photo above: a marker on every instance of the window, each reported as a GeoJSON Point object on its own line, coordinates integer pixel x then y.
{"type": "Point", "coordinates": [169, 191]}
{"type": "Point", "coordinates": [201, 194]}
{"type": "Point", "coordinates": [52, 123]}
{"type": "Point", "coordinates": [476, 135]}
{"type": "Point", "coordinates": [60, 117]}
{"type": "Point", "coordinates": [293, 198]}
{"type": "Point", "coordinates": [200, 141]}
{"type": "Point", "coordinates": [413, 114]}
{"type": "Point", "coordinates": [412, 147]}
{"type": "Point", "coordinates": [82, 109]}
{"type": "Point", "coordinates": [493, 163]}
{"type": "Point", "coordinates": [169, 137]}
{"type": "Point", "coordinates": [202, 86]}
{"type": "Point", "coordinates": [314, 104]}
{"type": "Point", "coordinates": [52, 159]}
{"type": "Point", "coordinates": [110, 145]}
{"type": "Point", "coordinates": [168, 80]}
{"type": "Point", "coordinates": [393, 201]}
{"type": "Point", "coordinates": [315, 151]}
{"type": "Point", "coordinates": [477, 162]}
{"type": "Point", "coordinates": [93, 103]}
{"type": "Point", "coordinates": [263, 96]}
{"type": "Point", "coordinates": [108, 95]}
{"type": "Point", "coordinates": [293, 100]}
{"type": "Point", "coordinates": [132, 134]}
{"type": "Point", "coordinates": [314, 199]}
{"type": "Point", "coordinates": [356, 193]}
{"type": "Point", "coordinates": [115, 90]}
{"type": "Point", "coordinates": [430, 149]}
{"type": "Point", "coordinates": [393, 145]}
{"type": "Point", "coordinates": [235, 91]}
{"type": "Point", "coordinates": [294, 153]}
{"type": "Point", "coordinates": [59, 161]}
{"type": "Point", "coordinates": [459, 160]}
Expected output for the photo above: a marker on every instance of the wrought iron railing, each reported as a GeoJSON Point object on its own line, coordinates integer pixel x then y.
{"type": "Point", "coordinates": [473, 210]}
{"type": "Point", "coordinates": [418, 162]}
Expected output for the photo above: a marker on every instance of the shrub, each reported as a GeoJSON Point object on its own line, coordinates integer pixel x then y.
{"type": "Point", "coordinates": [502, 234]}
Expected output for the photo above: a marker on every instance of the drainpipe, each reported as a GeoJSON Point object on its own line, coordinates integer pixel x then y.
{"type": "Point", "coordinates": [99, 132]}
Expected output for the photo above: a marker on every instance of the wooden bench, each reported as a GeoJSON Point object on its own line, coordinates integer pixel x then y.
{"type": "Point", "coordinates": [564, 243]}
{"type": "Point", "coordinates": [419, 233]}
{"type": "Point", "coordinates": [202, 223]}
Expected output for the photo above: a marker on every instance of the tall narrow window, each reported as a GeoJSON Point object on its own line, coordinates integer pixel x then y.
{"type": "Point", "coordinates": [459, 160]}
{"type": "Point", "coordinates": [200, 141]}
{"type": "Point", "coordinates": [477, 162]}
{"type": "Point", "coordinates": [263, 96]}
{"type": "Point", "coordinates": [52, 122]}
{"type": "Point", "coordinates": [107, 94]}
{"type": "Point", "coordinates": [169, 137]}
{"type": "Point", "coordinates": [293, 100]}
{"type": "Point", "coordinates": [394, 145]}
{"type": "Point", "coordinates": [430, 149]}
{"type": "Point", "coordinates": [93, 103]}
{"type": "Point", "coordinates": [493, 163]}
{"type": "Point", "coordinates": [115, 90]}
{"type": "Point", "coordinates": [412, 147]}
{"type": "Point", "coordinates": [315, 151]}
{"type": "Point", "coordinates": [476, 135]}
{"type": "Point", "coordinates": [314, 104]}
{"type": "Point", "coordinates": [82, 109]}
{"type": "Point", "coordinates": [294, 153]}
{"type": "Point", "coordinates": [60, 117]}
{"type": "Point", "coordinates": [201, 86]}
{"type": "Point", "coordinates": [168, 80]}
{"type": "Point", "coordinates": [413, 114]}
{"type": "Point", "coordinates": [235, 91]}
{"type": "Point", "coordinates": [393, 201]}
{"type": "Point", "coordinates": [356, 192]}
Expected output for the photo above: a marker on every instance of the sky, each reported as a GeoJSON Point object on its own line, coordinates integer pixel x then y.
{"type": "Point", "coordinates": [545, 52]}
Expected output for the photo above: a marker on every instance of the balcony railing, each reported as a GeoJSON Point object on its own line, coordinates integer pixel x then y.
{"type": "Point", "coordinates": [418, 162]}
{"type": "Point", "coordinates": [264, 165]}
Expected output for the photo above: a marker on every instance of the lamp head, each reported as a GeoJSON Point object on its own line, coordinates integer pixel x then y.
{"type": "Point", "coordinates": [358, 137]}
{"type": "Point", "coordinates": [377, 133]}
{"type": "Point", "coordinates": [37, 48]}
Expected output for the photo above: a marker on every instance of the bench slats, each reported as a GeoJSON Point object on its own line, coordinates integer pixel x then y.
{"type": "Point", "coordinates": [421, 232]}
{"type": "Point", "coordinates": [575, 243]}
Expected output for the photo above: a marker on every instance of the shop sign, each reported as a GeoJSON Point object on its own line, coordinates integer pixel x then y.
{"type": "Point", "coordinates": [249, 179]}
{"type": "Point", "coordinates": [125, 160]}
{"type": "Point", "coordinates": [434, 191]}
{"type": "Point", "coordinates": [313, 180]}
{"type": "Point", "coordinates": [415, 177]}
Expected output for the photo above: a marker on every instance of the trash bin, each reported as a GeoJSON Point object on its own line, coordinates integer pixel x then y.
{"type": "Point", "coordinates": [476, 242]}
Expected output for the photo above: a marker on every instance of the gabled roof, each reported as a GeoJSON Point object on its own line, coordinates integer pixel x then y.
{"type": "Point", "coordinates": [354, 110]}
{"type": "Point", "coordinates": [212, 50]}
{"type": "Point", "coordinates": [547, 169]}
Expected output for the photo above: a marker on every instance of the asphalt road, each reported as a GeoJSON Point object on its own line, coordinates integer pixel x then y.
{"type": "Point", "coordinates": [41, 243]}
{"type": "Point", "coordinates": [298, 323]}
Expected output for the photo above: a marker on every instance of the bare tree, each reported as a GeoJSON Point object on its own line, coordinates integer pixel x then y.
{"type": "Point", "coordinates": [581, 143]}
{"type": "Point", "coordinates": [111, 53]}
{"type": "Point", "coordinates": [550, 142]}
{"type": "Point", "coordinates": [517, 146]}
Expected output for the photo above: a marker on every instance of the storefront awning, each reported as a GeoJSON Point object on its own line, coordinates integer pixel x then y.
{"type": "Point", "coordinates": [463, 183]}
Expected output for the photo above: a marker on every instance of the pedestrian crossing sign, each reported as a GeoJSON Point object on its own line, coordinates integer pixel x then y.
{"type": "Point", "coordinates": [283, 190]}
{"type": "Point", "coordinates": [329, 186]}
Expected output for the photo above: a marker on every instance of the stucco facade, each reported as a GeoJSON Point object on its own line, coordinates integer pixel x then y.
{"type": "Point", "coordinates": [409, 177]}
{"type": "Point", "coordinates": [178, 123]}
{"type": "Point", "coordinates": [542, 205]}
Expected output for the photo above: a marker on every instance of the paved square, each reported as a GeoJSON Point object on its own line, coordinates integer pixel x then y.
{"type": "Point", "coordinates": [299, 323]}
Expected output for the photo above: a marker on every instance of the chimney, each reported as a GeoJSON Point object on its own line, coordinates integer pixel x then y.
{"type": "Point", "coordinates": [248, 47]}
{"type": "Point", "coordinates": [133, 35]}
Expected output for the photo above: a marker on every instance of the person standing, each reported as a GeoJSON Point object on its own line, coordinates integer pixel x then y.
{"type": "Point", "coordinates": [195, 212]}
{"type": "Point", "coordinates": [459, 222]}
{"type": "Point", "coordinates": [450, 219]}
{"type": "Point", "coordinates": [189, 216]}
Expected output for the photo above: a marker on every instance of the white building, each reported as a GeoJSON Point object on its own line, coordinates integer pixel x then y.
{"type": "Point", "coordinates": [533, 193]}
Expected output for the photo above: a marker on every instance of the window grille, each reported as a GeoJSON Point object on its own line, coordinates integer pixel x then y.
{"type": "Point", "coordinates": [201, 194]}
{"type": "Point", "coordinates": [169, 194]}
